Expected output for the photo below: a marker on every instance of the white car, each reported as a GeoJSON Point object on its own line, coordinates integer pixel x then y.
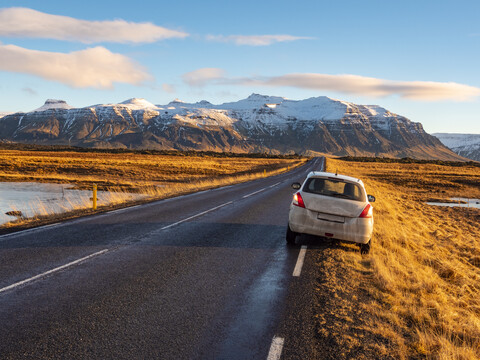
{"type": "Point", "coordinates": [332, 206]}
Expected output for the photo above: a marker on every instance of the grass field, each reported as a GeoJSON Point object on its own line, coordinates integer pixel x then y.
{"type": "Point", "coordinates": [157, 176]}
{"type": "Point", "coordinates": [421, 282]}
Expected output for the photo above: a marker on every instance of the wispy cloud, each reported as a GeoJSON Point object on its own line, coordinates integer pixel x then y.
{"type": "Point", "coordinates": [255, 40]}
{"type": "Point", "coordinates": [361, 85]}
{"type": "Point", "coordinates": [24, 22]}
{"type": "Point", "coordinates": [29, 91]}
{"type": "Point", "coordinates": [352, 84]}
{"type": "Point", "coordinates": [202, 77]}
{"type": "Point", "coordinates": [168, 88]}
{"type": "Point", "coordinates": [95, 67]}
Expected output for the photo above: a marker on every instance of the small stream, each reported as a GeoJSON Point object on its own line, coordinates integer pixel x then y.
{"type": "Point", "coordinates": [40, 199]}
{"type": "Point", "coordinates": [459, 202]}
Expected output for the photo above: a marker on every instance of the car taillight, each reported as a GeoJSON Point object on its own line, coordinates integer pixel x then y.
{"type": "Point", "coordinates": [367, 212]}
{"type": "Point", "coordinates": [297, 200]}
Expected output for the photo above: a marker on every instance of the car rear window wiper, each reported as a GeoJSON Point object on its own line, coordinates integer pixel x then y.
{"type": "Point", "coordinates": [342, 196]}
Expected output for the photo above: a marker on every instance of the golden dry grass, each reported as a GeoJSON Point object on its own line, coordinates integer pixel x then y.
{"type": "Point", "coordinates": [155, 176]}
{"type": "Point", "coordinates": [128, 170]}
{"type": "Point", "coordinates": [423, 274]}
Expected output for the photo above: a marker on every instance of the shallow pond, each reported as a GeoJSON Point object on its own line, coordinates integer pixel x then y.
{"type": "Point", "coordinates": [460, 202]}
{"type": "Point", "coordinates": [40, 199]}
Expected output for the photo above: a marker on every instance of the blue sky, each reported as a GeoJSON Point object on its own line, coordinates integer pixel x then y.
{"type": "Point", "coordinates": [419, 59]}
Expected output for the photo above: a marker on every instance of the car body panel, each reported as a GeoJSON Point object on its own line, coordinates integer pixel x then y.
{"type": "Point", "coordinates": [329, 205]}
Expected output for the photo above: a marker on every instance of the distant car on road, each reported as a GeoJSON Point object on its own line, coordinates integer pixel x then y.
{"type": "Point", "coordinates": [332, 206]}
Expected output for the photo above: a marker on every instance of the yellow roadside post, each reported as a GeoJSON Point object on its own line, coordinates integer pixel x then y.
{"type": "Point", "coordinates": [94, 197]}
{"type": "Point", "coordinates": [264, 172]}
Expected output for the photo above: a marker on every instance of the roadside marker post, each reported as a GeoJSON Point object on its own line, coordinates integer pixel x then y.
{"type": "Point", "coordinates": [264, 172]}
{"type": "Point", "coordinates": [94, 198]}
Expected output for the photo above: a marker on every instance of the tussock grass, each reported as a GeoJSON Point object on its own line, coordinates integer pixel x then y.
{"type": "Point", "coordinates": [149, 176]}
{"type": "Point", "coordinates": [424, 270]}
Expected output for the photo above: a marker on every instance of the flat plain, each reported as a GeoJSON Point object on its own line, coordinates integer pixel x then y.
{"type": "Point", "coordinates": [155, 175]}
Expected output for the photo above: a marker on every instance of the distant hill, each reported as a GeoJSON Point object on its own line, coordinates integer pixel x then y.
{"type": "Point", "coordinates": [259, 123]}
{"type": "Point", "coordinates": [466, 145]}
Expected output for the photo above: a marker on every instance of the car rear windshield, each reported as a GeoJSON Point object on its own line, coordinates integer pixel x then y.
{"type": "Point", "coordinates": [334, 187]}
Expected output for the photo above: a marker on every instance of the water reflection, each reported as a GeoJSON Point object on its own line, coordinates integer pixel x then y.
{"type": "Point", "coordinates": [33, 199]}
{"type": "Point", "coordinates": [459, 202]}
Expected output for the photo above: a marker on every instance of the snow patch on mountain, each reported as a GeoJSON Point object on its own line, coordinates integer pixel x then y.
{"type": "Point", "coordinates": [467, 145]}
{"type": "Point", "coordinates": [458, 140]}
{"type": "Point", "coordinates": [54, 104]}
{"type": "Point", "coordinates": [2, 114]}
{"type": "Point", "coordinates": [138, 104]}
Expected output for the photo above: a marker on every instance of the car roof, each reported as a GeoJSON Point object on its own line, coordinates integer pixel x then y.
{"type": "Point", "coordinates": [332, 175]}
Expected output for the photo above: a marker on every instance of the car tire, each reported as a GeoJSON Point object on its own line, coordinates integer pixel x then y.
{"type": "Point", "coordinates": [365, 248]}
{"type": "Point", "coordinates": [291, 236]}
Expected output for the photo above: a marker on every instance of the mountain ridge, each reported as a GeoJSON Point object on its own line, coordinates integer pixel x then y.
{"type": "Point", "coordinates": [466, 145]}
{"type": "Point", "coordinates": [259, 123]}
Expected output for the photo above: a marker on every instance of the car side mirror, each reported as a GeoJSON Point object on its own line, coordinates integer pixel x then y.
{"type": "Point", "coordinates": [296, 186]}
{"type": "Point", "coordinates": [371, 198]}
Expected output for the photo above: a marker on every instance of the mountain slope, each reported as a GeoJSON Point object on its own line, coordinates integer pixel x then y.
{"type": "Point", "coordinates": [466, 145]}
{"type": "Point", "coordinates": [258, 123]}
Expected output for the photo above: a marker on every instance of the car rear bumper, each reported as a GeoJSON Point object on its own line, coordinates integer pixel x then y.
{"type": "Point", "coordinates": [357, 230]}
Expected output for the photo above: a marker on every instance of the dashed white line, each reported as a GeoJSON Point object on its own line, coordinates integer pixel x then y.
{"type": "Point", "coordinates": [256, 192]}
{"type": "Point", "coordinates": [301, 258]}
{"type": "Point", "coordinates": [276, 348]}
{"type": "Point", "coordinates": [271, 186]}
{"type": "Point", "coordinates": [253, 193]}
{"type": "Point", "coordinates": [52, 271]}
{"type": "Point", "coordinates": [197, 215]}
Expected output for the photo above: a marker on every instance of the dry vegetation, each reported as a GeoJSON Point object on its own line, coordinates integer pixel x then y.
{"type": "Point", "coordinates": [156, 176]}
{"type": "Point", "coordinates": [418, 291]}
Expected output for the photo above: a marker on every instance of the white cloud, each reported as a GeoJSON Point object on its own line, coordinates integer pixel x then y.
{"type": "Point", "coordinates": [361, 85]}
{"type": "Point", "coordinates": [203, 76]}
{"type": "Point", "coordinates": [168, 88]}
{"type": "Point", "coordinates": [95, 67]}
{"type": "Point", "coordinates": [24, 22]}
{"type": "Point", "coordinates": [355, 84]}
{"type": "Point", "coordinates": [254, 40]}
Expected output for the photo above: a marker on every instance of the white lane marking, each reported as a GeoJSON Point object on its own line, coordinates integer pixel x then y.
{"type": "Point", "coordinates": [52, 271]}
{"type": "Point", "coordinates": [253, 193]}
{"type": "Point", "coordinates": [271, 186]}
{"type": "Point", "coordinates": [26, 231]}
{"type": "Point", "coordinates": [256, 192]}
{"type": "Point", "coordinates": [276, 348]}
{"type": "Point", "coordinates": [197, 215]}
{"type": "Point", "coordinates": [301, 258]}
{"type": "Point", "coordinates": [51, 225]}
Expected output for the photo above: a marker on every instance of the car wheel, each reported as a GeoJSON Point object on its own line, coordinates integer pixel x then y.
{"type": "Point", "coordinates": [365, 248]}
{"type": "Point", "coordinates": [291, 236]}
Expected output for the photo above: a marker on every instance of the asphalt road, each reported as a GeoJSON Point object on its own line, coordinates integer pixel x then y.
{"type": "Point", "coordinates": [201, 276]}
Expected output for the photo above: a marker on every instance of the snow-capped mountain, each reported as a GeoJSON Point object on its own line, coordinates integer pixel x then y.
{"type": "Point", "coordinates": [466, 145]}
{"type": "Point", "coordinates": [2, 114]}
{"type": "Point", "coordinates": [258, 123]}
{"type": "Point", "coordinates": [53, 104]}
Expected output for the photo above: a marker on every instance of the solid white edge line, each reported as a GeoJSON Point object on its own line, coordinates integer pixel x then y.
{"type": "Point", "coordinates": [301, 258]}
{"type": "Point", "coordinates": [197, 215]}
{"type": "Point", "coordinates": [276, 348]}
{"type": "Point", "coordinates": [52, 271]}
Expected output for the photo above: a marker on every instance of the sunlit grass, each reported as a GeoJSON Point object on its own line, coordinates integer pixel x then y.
{"type": "Point", "coordinates": [148, 176]}
{"type": "Point", "coordinates": [425, 262]}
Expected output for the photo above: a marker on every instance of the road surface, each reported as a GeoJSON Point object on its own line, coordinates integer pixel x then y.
{"type": "Point", "coordinates": [202, 276]}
